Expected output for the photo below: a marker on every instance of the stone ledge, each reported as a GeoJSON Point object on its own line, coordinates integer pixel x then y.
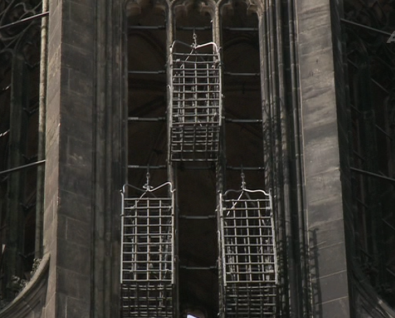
{"type": "Point", "coordinates": [32, 297]}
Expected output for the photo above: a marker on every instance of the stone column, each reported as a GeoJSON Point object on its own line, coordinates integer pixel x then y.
{"type": "Point", "coordinates": [322, 165]}
{"type": "Point", "coordinates": [69, 152]}
{"type": "Point", "coordinates": [85, 96]}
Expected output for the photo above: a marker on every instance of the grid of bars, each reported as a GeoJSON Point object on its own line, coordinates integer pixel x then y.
{"type": "Point", "coordinates": [195, 105]}
{"type": "Point", "coordinates": [147, 257]}
{"type": "Point", "coordinates": [249, 255]}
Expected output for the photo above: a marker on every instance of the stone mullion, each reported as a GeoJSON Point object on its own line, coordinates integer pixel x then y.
{"type": "Point", "coordinates": [324, 185]}
{"type": "Point", "coordinates": [41, 134]}
{"type": "Point", "coordinates": [69, 200]}
{"type": "Point", "coordinates": [15, 213]}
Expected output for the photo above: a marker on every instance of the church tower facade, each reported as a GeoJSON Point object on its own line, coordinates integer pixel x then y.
{"type": "Point", "coordinates": [197, 158]}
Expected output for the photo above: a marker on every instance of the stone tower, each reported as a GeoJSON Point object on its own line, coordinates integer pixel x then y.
{"type": "Point", "coordinates": [197, 158]}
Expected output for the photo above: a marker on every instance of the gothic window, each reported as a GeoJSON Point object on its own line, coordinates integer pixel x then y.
{"type": "Point", "coordinates": [195, 130]}
{"type": "Point", "coordinates": [20, 202]}
{"type": "Point", "coordinates": [371, 81]}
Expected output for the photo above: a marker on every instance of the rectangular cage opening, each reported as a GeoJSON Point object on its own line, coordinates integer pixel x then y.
{"type": "Point", "coordinates": [195, 104]}
{"type": "Point", "coordinates": [147, 273]}
{"type": "Point", "coordinates": [248, 245]}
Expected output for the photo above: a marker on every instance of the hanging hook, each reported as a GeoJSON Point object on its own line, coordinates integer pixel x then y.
{"type": "Point", "coordinates": [243, 183]}
{"type": "Point", "coordinates": [194, 44]}
{"type": "Point", "coordinates": [147, 185]}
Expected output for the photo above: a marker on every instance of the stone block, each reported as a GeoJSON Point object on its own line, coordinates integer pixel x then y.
{"type": "Point", "coordinates": [318, 107]}
{"type": "Point", "coordinates": [323, 186]}
{"type": "Point", "coordinates": [74, 257]}
{"type": "Point", "coordinates": [81, 13]}
{"type": "Point", "coordinates": [314, 27]}
{"type": "Point", "coordinates": [49, 311]}
{"type": "Point", "coordinates": [331, 287]}
{"type": "Point", "coordinates": [76, 107]}
{"type": "Point", "coordinates": [53, 80]}
{"type": "Point", "coordinates": [321, 154]}
{"type": "Point", "coordinates": [73, 58]}
{"type": "Point", "coordinates": [326, 261]}
{"type": "Point", "coordinates": [49, 217]}
{"type": "Point", "coordinates": [76, 180]}
{"type": "Point", "coordinates": [78, 308]}
{"type": "Point", "coordinates": [338, 308]}
{"type": "Point", "coordinates": [73, 284]}
{"type": "Point", "coordinates": [78, 232]}
{"type": "Point", "coordinates": [76, 205]}
{"type": "Point", "coordinates": [78, 153]}
{"type": "Point", "coordinates": [76, 133]}
{"type": "Point", "coordinates": [325, 215]}
{"type": "Point", "coordinates": [79, 35]}
{"type": "Point", "coordinates": [312, 6]}
{"type": "Point", "coordinates": [76, 82]}
{"type": "Point", "coordinates": [61, 305]}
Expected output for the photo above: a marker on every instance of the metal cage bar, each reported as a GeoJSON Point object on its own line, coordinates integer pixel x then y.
{"type": "Point", "coordinates": [147, 258]}
{"type": "Point", "coordinates": [248, 248]}
{"type": "Point", "coordinates": [195, 102]}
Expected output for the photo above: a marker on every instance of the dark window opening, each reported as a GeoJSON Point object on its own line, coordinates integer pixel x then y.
{"type": "Point", "coordinates": [371, 107]}
{"type": "Point", "coordinates": [20, 233]}
{"type": "Point", "coordinates": [195, 121]}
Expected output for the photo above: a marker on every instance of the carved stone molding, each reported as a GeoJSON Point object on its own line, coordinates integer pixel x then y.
{"type": "Point", "coordinates": [32, 297]}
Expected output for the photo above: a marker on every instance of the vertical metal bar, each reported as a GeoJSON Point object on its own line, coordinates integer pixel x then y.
{"type": "Point", "coordinates": [149, 237]}
{"type": "Point", "coordinates": [183, 104]}
{"type": "Point", "coordinates": [249, 238]}
{"type": "Point", "coordinates": [136, 239]}
{"type": "Point", "coordinates": [161, 242]}
{"type": "Point", "coordinates": [122, 230]}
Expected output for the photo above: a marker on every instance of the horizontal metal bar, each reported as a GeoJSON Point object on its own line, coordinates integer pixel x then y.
{"type": "Point", "coordinates": [194, 62]}
{"type": "Point", "coordinates": [371, 174]}
{"type": "Point", "coordinates": [33, 17]}
{"type": "Point", "coordinates": [147, 167]}
{"type": "Point", "coordinates": [365, 27]}
{"type": "Point", "coordinates": [22, 167]}
{"type": "Point", "coordinates": [198, 267]}
{"type": "Point", "coordinates": [197, 217]}
{"type": "Point", "coordinates": [147, 119]}
{"type": "Point", "coordinates": [246, 245]}
{"type": "Point", "coordinates": [244, 168]}
{"type": "Point", "coordinates": [179, 77]}
{"type": "Point", "coordinates": [191, 100]}
{"type": "Point", "coordinates": [147, 27]}
{"type": "Point", "coordinates": [198, 168]}
{"type": "Point", "coordinates": [147, 72]}
{"type": "Point", "coordinates": [243, 121]}
{"type": "Point", "coordinates": [240, 29]}
{"type": "Point", "coordinates": [181, 28]}
{"type": "Point", "coordinates": [242, 74]}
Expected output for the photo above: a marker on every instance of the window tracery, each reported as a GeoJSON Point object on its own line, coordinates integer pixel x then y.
{"type": "Point", "coordinates": [20, 37]}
